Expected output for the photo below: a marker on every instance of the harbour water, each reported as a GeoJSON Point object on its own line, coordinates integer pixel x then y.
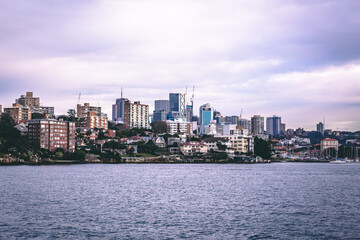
{"type": "Point", "coordinates": [173, 201]}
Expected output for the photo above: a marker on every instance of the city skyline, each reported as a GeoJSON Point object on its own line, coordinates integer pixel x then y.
{"type": "Point", "coordinates": [297, 59]}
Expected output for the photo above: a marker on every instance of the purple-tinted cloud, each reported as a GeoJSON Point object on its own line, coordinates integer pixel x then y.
{"type": "Point", "coordinates": [298, 59]}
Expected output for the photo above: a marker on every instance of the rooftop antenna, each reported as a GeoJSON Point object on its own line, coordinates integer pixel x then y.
{"type": "Point", "coordinates": [192, 96]}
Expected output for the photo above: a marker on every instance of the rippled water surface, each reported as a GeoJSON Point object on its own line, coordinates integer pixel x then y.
{"type": "Point", "coordinates": [196, 201]}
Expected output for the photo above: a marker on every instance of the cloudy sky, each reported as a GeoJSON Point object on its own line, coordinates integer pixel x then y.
{"type": "Point", "coordinates": [296, 59]}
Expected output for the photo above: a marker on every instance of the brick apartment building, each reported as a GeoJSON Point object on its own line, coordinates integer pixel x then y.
{"type": "Point", "coordinates": [52, 134]}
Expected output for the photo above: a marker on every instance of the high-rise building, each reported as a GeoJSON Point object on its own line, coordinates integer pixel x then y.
{"type": "Point", "coordinates": [233, 119]}
{"type": "Point", "coordinates": [206, 116]}
{"type": "Point", "coordinates": [33, 103]}
{"type": "Point", "coordinates": [138, 115]}
{"type": "Point", "coordinates": [83, 111]}
{"type": "Point", "coordinates": [51, 134]}
{"type": "Point", "coordinates": [28, 100]}
{"type": "Point", "coordinates": [177, 103]}
{"type": "Point", "coordinates": [245, 124]}
{"type": "Point", "coordinates": [189, 113]}
{"type": "Point", "coordinates": [162, 105]}
{"type": "Point", "coordinates": [162, 108]}
{"type": "Point", "coordinates": [93, 121]}
{"type": "Point", "coordinates": [257, 125]}
{"type": "Point", "coordinates": [118, 110]}
{"type": "Point", "coordinates": [320, 127]}
{"type": "Point", "coordinates": [18, 113]}
{"type": "Point", "coordinates": [91, 117]}
{"type": "Point", "coordinates": [273, 125]}
{"type": "Point", "coordinates": [132, 115]}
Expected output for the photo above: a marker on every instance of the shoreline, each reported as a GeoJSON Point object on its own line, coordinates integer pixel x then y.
{"type": "Point", "coordinates": [149, 162]}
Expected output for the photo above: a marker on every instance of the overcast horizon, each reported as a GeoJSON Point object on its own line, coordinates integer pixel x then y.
{"type": "Point", "coordinates": [299, 60]}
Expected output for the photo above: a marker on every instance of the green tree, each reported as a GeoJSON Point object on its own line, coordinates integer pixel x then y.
{"type": "Point", "coordinates": [148, 147]}
{"type": "Point", "coordinates": [262, 148]}
{"type": "Point", "coordinates": [131, 151]}
{"type": "Point", "coordinates": [78, 155]}
{"type": "Point", "coordinates": [11, 140]}
{"type": "Point", "coordinates": [221, 146]}
{"type": "Point", "coordinates": [59, 155]}
{"type": "Point", "coordinates": [114, 145]}
{"type": "Point", "coordinates": [159, 127]}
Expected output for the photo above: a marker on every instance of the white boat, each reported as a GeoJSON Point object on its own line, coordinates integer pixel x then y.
{"type": "Point", "coordinates": [338, 161]}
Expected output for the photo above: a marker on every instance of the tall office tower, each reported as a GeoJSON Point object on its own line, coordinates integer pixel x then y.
{"type": "Point", "coordinates": [320, 127]}
{"type": "Point", "coordinates": [52, 134]}
{"type": "Point", "coordinates": [28, 100]}
{"type": "Point", "coordinates": [118, 110]}
{"type": "Point", "coordinates": [162, 105]}
{"type": "Point", "coordinates": [83, 111]}
{"type": "Point", "coordinates": [245, 124]}
{"type": "Point", "coordinates": [189, 113]}
{"type": "Point", "coordinates": [257, 125]}
{"type": "Point", "coordinates": [206, 116]}
{"type": "Point", "coordinates": [273, 125]}
{"type": "Point", "coordinates": [162, 108]}
{"type": "Point", "coordinates": [177, 104]}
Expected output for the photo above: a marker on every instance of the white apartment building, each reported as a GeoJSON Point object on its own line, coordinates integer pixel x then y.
{"type": "Point", "coordinates": [138, 115]}
{"type": "Point", "coordinates": [178, 126]}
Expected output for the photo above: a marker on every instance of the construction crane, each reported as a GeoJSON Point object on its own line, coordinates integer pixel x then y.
{"type": "Point", "coordinates": [241, 113]}
{"type": "Point", "coordinates": [79, 98]}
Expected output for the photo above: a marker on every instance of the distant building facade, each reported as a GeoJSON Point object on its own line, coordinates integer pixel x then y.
{"type": "Point", "coordinates": [28, 100]}
{"type": "Point", "coordinates": [18, 113]}
{"type": "Point", "coordinates": [48, 112]}
{"type": "Point", "coordinates": [83, 111]}
{"type": "Point", "coordinates": [190, 148]}
{"type": "Point", "coordinates": [245, 124]}
{"type": "Point", "coordinates": [273, 125]}
{"type": "Point", "coordinates": [328, 143]}
{"type": "Point", "coordinates": [320, 128]}
{"type": "Point", "coordinates": [206, 116]}
{"type": "Point", "coordinates": [52, 134]}
{"type": "Point", "coordinates": [119, 113]}
{"type": "Point", "coordinates": [90, 117]}
{"type": "Point", "coordinates": [177, 104]}
{"type": "Point", "coordinates": [95, 121]}
{"type": "Point", "coordinates": [257, 125]}
{"type": "Point", "coordinates": [162, 108]}
{"type": "Point", "coordinates": [283, 128]}
{"type": "Point", "coordinates": [179, 126]}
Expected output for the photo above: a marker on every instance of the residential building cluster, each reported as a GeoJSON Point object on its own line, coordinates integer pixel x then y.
{"type": "Point", "coordinates": [232, 135]}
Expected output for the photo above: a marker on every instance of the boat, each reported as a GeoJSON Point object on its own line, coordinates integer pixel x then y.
{"type": "Point", "coordinates": [338, 161]}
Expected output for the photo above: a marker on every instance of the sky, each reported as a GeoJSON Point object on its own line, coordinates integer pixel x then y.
{"type": "Point", "coordinates": [296, 59]}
